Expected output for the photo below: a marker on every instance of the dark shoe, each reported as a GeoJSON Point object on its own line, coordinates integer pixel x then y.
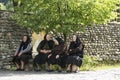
{"type": "Point", "coordinates": [68, 71]}
{"type": "Point", "coordinates": [17, 69]}
{"type": "Point", "coordinates": [38, 70]}
{"type": "Point", "coordinates": [22, 70]}
{"type": "Point", "coordinates": [75, 71]}
{"type": "Point", "coordinates": [59, 71]}
{"type": "Point", "coordinates": [46, 70]}
{"type": "Point", "coordinates": [50, 70]}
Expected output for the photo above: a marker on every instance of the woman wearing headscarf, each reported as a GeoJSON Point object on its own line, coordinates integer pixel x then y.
{"type": "Point", "coordinates": [58, 54]}
{"type": "Point", "coordinates": [44, 49]}
{"type": "Point", "coordinates": [23, 53]}
{"type": "Point", "coordinates": [74, 59]}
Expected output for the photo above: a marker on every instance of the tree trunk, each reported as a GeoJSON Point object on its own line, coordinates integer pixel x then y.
{"type": "Point", "coordinates": [65, 37]}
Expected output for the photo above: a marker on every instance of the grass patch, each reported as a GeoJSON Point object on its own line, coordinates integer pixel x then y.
{"type": "Point", "coordinates": [107, 66]}
{"type": "Point", "coordinates": [93, 63]}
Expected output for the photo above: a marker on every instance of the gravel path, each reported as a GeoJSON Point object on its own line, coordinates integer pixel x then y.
{"type": "Point", "coordinates": [111, 74]}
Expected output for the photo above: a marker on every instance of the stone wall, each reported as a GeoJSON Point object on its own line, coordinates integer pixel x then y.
{"type": "Point", "coordinates": [103, 41]}
{"type": "Point", "coordinates": [10, 36]}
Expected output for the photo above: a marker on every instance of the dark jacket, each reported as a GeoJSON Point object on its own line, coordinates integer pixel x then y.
{"type": "Point", "coordinates": [76, 50]}
{"type": "Point", "coordinates": [60, 49]}
{"type": "Point", "coordinates": [42, 44]}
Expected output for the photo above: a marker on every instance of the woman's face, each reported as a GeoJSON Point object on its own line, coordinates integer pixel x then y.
{"type": "Point", "coordinates": [48, 37]}
{"type": "Point", "coordinates": [24, 38]}
{"type": "Point", "coordinates": [74, 38]}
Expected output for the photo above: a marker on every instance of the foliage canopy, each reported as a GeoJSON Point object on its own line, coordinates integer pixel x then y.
{"type": "Point", "coordinates": [63, 16]}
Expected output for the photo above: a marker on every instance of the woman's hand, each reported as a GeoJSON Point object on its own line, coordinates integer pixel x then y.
{"type": "Point", "coordinates": [57, 56]}
{"type": "Point", "coordinates": [45, 51]}
{"type": "Point", "coordinates": [49, 55]}
{"type": "Point", "coordinates": [20, 54]}
{"type": "Point", "coordinates": [49, 51]}
{"type": "Point", "coordinates": [70, 49]}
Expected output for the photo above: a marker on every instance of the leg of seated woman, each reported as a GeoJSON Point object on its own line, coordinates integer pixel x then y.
{"type": "Point", "coordinates": [74, 68]}
{"type": "Point", "coordinates": [60, 69]}
{"type": "Point", "coordinates": [47, 66]}
{"type": "Point", "coordinates": [69, 68]}
{"type": "Point", "coordinates": [38, 67]}
{"type": "Point", "coordinates": [17, 65]}
{"type": "Point", "coordinates": [50, 68]}
{"type": "Point", "coordinates": [22, 65]}
{"type": "Point", "coordinates": [16, 61]}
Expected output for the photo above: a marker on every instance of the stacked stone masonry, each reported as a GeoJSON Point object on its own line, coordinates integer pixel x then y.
{"type": "Point", "coordinates": [10, 36]}
{"type": "Point", "coordinates": [103, 41]}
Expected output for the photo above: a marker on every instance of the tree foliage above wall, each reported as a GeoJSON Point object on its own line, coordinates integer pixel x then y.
{"type": "Point", "coordinates": [6, 5]}
{"type": "Point", "coordinates": [64, 16]}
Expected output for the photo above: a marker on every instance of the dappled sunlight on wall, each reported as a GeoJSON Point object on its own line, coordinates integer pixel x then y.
{"type": "Point", "coordinates": [36, 38]}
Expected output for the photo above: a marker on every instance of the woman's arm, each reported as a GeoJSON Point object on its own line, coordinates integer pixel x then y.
{"type": "Point", "coordinates": [45, 51]}
{"type": "Point", "coordinates": [17, 50]}
{"type": "Point", "coordinates": [79, 48]}
{"type": "Point", "coordinates": [29, 47]}
{"type": "Point", "coordinates": [76, 50]}
{"type": "Point", "coordinates": [39, 48]}
{"type": "Point", "coordinates": [63, 49]}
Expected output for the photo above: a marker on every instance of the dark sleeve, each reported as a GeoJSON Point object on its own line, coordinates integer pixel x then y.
{"type": "Point", "coordinates": [54, 49]}
{"type": "Point", "coordinates": [76, 50]}
{"type": "Point", "coordinates": [40, 46]}
{"type": "Point", "coordinates": [70, 48]}
{"type": "Point", "coordinates": [63, 49]}
{"type": "Point", "coordinates": [51, 44]}
{"type": "Point", "coordinates": [79, 48]}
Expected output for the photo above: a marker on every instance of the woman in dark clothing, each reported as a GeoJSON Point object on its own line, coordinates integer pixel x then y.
{"type": "Point", "coordinates": [58, 54]}
{"type": "Point", "coordinates": [74, 59]}
{"type": "Point", "coordinates": [23, 53]}
{"type": "Point", "coordinates": [44, 49]}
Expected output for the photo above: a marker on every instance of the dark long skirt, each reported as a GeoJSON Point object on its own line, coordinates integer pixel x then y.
{"type": "Point", "coordinates": [52, 59]}
{"type": "Point", "coordinates": [24, 57]}
{"type": "Point", "coordinates": [41, 58]}
{"type": "Point", "coordinates": [61, 61]}
{"type": "Point", "coordinates": [74, 60]}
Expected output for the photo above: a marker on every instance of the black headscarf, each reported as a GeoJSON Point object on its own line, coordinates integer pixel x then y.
{"type": "Point", "coordinates": [60, 41]}
{"type": "Point", "coordinates": [45, 37]}
{"type": "Point", "coordinates": [75, 44]}
{"type": "Point", "coordinates": [78, 42]}
{"type": "Point", "coordinates": [25, 44]}
{"type": "Point", "coordinates": [50, 43]}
